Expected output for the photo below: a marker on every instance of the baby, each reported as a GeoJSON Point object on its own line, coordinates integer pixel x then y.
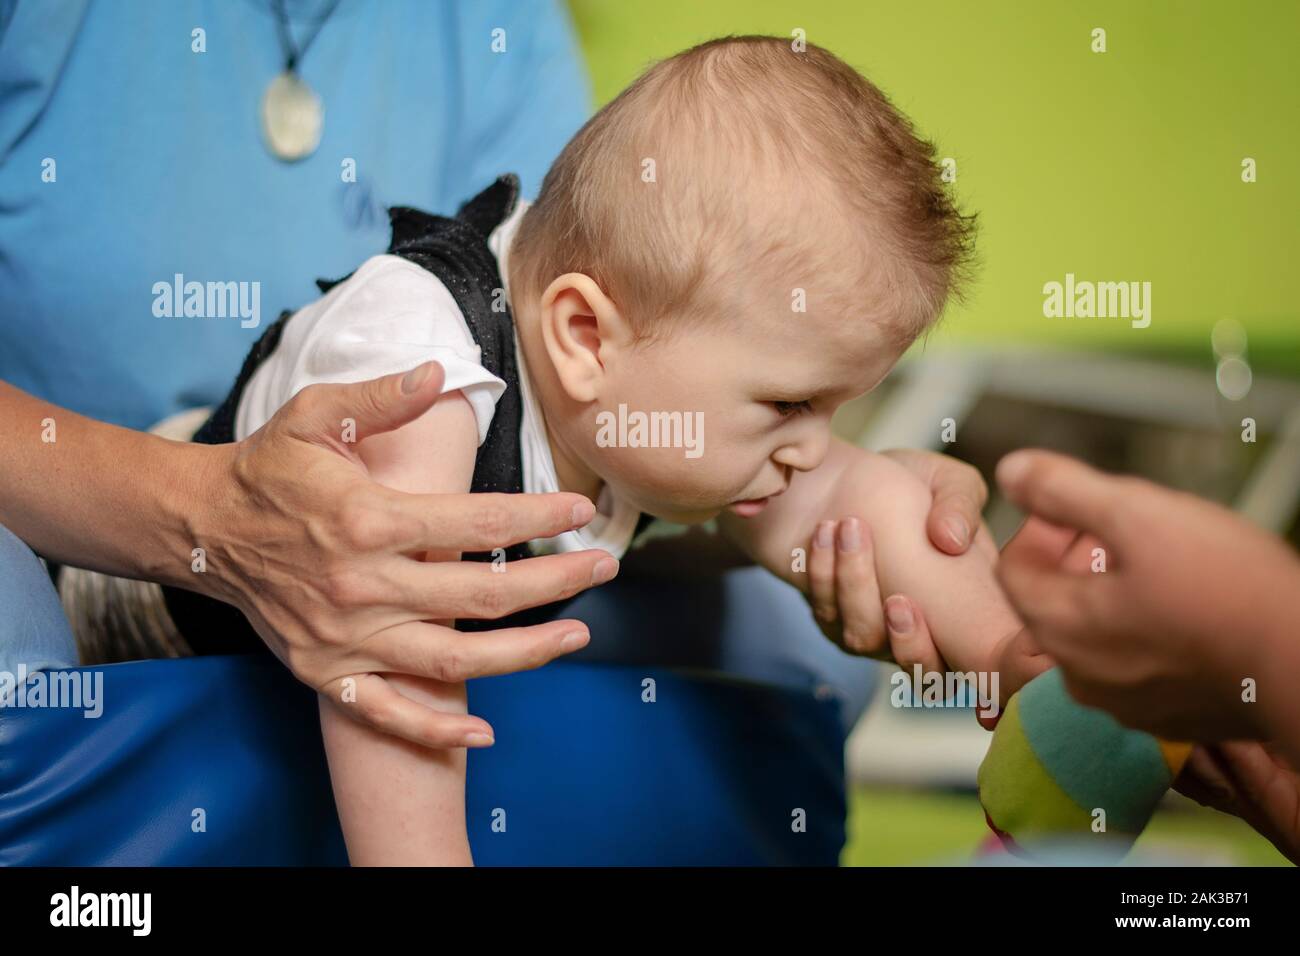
{"type": "Point", "coordinates": [745, 239]}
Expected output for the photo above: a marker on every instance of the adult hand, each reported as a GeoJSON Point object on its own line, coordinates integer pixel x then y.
{"type": "Point", "coordinates": [959, 494]}
{"type": "Point", "coordinates": [1187, 618]}
{"type": "Point", "coordinates": [324, 561]}
{"type": "Point", "coordinates": [1249, 780]}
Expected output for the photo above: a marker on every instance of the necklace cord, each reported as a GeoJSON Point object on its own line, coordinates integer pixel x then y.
{"type": "Point", "coordinates": [293, 55]}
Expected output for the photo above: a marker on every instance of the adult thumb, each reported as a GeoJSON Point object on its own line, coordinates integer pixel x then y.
{"type": "Point", "coordinates": [352, 412]}
{"type": "Point", "coordinates": [1061, 490]}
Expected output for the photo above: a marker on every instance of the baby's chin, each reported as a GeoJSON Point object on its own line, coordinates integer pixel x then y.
{"type": "Point", "coordinates": [687, 517]}
{"type": "Point", "coordinates": [680, 512]}
{"type": "Point", "coordinates": [683, 505]}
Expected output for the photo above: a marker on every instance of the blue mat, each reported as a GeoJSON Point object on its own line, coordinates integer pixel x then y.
{"type": "Point", "coordinates": [584, 771]}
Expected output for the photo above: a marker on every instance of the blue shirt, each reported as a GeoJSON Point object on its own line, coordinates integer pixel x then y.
{"type": "Point", "coordinates": [128, 158]}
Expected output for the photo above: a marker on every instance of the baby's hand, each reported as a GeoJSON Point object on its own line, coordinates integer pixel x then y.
{"type": "Point", "coordinates": [845, 599]}
{"type": "Point", "coordinates": [1017, 660]}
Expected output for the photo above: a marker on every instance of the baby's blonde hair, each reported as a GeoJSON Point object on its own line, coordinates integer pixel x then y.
{"type": "Point", "coordinates": [702, 163]}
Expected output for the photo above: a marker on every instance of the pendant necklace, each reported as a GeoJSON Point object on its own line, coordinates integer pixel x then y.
{"type": "Point", "coordinates": [292, 114]}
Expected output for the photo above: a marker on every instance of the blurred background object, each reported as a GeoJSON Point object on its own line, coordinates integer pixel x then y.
{"type": "Point", "coordinates": [1165, 159]}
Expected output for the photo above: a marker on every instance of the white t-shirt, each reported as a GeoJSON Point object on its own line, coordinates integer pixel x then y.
{"type": "Point", "coordinates": [391, 316]}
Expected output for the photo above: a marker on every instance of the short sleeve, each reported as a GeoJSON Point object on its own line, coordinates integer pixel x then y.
{"type": "Point", "coordinates": [389, 317]}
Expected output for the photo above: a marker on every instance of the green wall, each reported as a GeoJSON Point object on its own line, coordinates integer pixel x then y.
{"type": "Point", "coordinates": [1116, 166]}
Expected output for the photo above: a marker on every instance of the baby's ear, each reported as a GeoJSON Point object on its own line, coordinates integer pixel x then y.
{"type": "Point", "coordinates": [580, 325]}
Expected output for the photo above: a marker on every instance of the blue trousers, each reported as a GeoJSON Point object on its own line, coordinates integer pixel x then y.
{"type": "Point", "coordinates": [33, 630]}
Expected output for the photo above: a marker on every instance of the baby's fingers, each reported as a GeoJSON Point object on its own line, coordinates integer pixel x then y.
{"type": "Point", "coordinates": [856, 590]}
{"type": "Point", "coordinates": [1020, 663]}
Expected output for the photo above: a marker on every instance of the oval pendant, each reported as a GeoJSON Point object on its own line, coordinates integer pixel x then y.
{"type": "Point", "coordinates": [291, 118]}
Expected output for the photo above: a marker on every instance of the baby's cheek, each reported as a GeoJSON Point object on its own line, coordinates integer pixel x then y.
{"type": "Point", "coordinates": [658, 478]}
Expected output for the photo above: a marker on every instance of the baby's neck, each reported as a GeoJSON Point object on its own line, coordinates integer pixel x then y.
{"type": "Point", "coordinates": [569, 472]}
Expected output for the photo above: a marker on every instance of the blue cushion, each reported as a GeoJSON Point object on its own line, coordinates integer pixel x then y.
{"type": "Point", "coordinates": [584, 771]}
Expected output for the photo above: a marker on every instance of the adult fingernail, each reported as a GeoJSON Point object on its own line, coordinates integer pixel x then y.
{"type": "Point", "coordinates": [479, 740]}
{"type": "Point", "coordinates": [898, 612]}
{"type": "Point", "coordinates": [583, 512]}
{"type": "Point", "coordinates": [574, 640]}
{"type": "Point", "coordinates": [850, 535]}
{"type": "Point", "coordinates": [1011, 469]}
{"type": "Point", "coordinates": [825, 534]}
{"type": "Point", "coordinates": [413, 379]}
{"type": "Point", "coordinates": [604, 570]}
{"type": "Point", "coordinates": [958, 530]}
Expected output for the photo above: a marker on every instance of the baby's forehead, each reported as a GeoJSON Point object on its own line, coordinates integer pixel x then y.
{"type": "Point", "coordinates": [812, 320]}
{"type": "Point", "coordinates": [797, 272]}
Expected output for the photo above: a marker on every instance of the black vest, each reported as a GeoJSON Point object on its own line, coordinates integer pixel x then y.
{"type": "Point", "coordinates": [456, 252]}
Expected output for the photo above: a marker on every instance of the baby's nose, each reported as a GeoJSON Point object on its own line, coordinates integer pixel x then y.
{"type": "Point", "coordinates": [807, 452]}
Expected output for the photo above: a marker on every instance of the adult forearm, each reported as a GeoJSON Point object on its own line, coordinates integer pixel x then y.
{"type": "Point", "coordinates": [95, 495]}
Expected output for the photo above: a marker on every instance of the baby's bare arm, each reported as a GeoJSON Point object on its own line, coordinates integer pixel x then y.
{"type": "Point", "coordinates": [970, 619]}
{"type": "Point", "coordinates": [399, 804]}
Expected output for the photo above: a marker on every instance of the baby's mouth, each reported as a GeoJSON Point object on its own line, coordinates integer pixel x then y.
{"type": "Point", "coordinates": [748, 508]}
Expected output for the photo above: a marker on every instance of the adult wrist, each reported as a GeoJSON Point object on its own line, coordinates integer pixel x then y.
{"type": "Point", "coordinates": [188, 500]}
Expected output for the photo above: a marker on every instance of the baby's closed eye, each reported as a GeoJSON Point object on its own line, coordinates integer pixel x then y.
{"type": "Point", "coordinates": [786, 409]}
